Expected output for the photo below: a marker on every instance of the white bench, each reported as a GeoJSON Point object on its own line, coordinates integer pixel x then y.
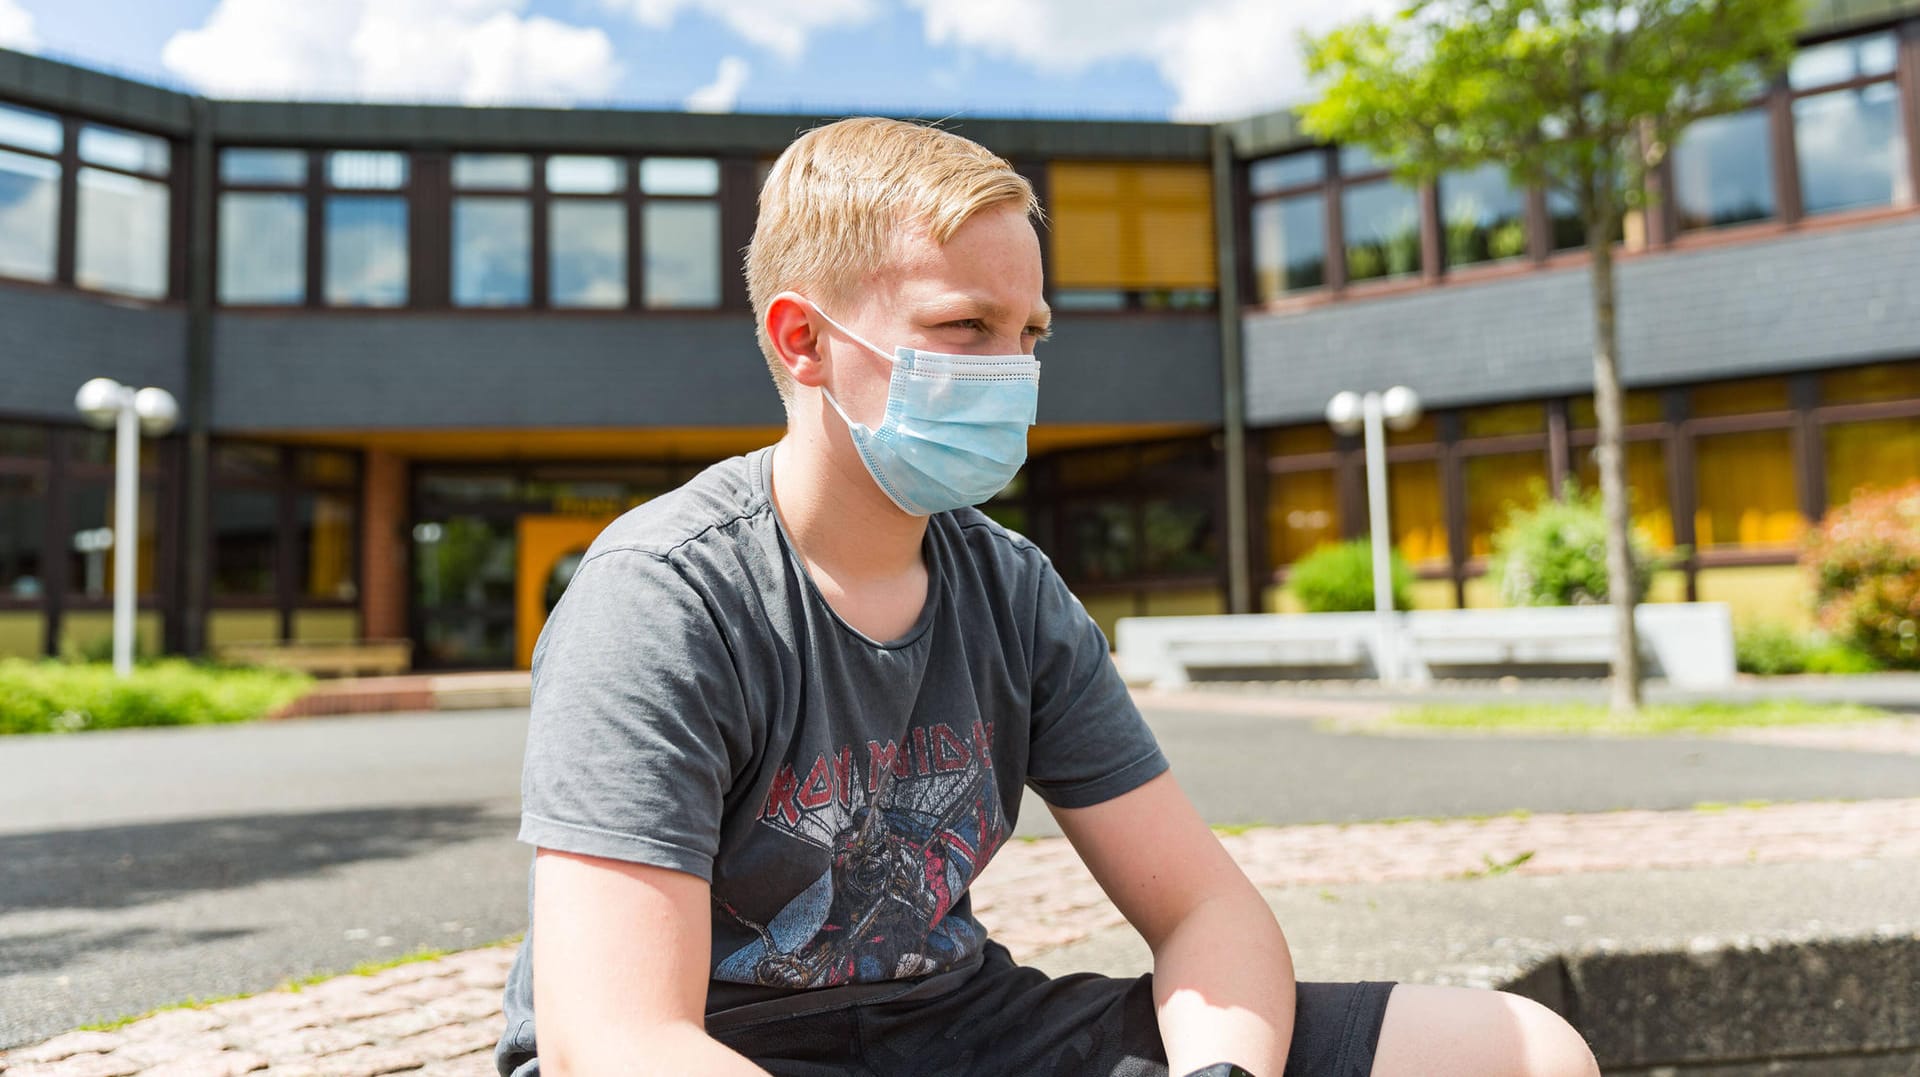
{"type": "Point", "coordinates": [1341, 653]}
{"type": "Point", "coordinates": [1688, 643]}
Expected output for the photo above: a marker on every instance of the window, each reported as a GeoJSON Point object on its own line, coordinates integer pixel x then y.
{"type": "Point", "coordinates": [263, 168]}
{"type": "Point", "coordinates": [1303, 513]}
{"type": "Point", "coordinates": [92, 510]}
{"type": "Point", "coordinates": [492, 233]}
{"type": "Point", "coordinates": [255, 487]}
{"type": "Point", "coordinates": [366, 234]}
{"type": "Point", "coordinates": [366, 170]}
{"type": "Point", "coordinates": [1647, 501]}
{"type": "Point", "coordinates": [587, 250]}
{"type": "Point", "coordinates": [244, 522]}
{"type": "Point", "coordinates": [1747, 397]}
{"type": "Point", "coordinates": [1723, 171]}
{"type": "Point", "coordinates": [30, 143]}
{"type": "Point", "coordinates": [1123, 229]}
{"type": "Point", "coordinates": [1877, 455]}
{"type": "Point", "coordinates": [324, 537]}
{"type": "Point", "coordinates": [1848, 136]}
{"type": "Point", "coordinates": [680, 220]}
{"type": "Point", "coordinates": [263, 227]}
{"type": "Point", "coordinates": [1276, 174]}
{"type": "Point", "coordinates": [29, 216]}
{"type": "Point", "coordinates": [1747, 494]}
{"type": "Point", "coordinates": [587, 236]}
{"type": "Point", "coordinates": [1380, 219]}
{"type": "Point", "coordinates": [1416, 511]}
{"type": "Point", "coordinates": [124, 222]}
{"type": "Point", "coordinates": [23, 511]}
{"type": "Point", "coordinates": [263, 248]}
{"type": "Point", "coordinates": [366, 251]}
{"type": "Point", "coordinates": [1483, 215]}
{"type": "Point", "coordinates": [492, 252]}
{"type": "Point", "coordinates": [1875, 382]}
{"type": "Point", "coordinates": [35, 132]}
{"type": "Point", "coordinates": [492, 171]}
{"type": "Point", "coordinates": [1495, 486]}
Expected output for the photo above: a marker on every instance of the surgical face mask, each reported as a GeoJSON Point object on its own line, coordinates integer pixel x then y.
{"type": "Point", "coordinates": [955, 429]}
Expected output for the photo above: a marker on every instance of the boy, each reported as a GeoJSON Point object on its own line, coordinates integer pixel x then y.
{"type": "Point", "coordinates": [782, 717]}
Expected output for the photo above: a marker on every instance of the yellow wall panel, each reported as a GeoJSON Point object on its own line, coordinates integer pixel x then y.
{"type": "Point", "coordinates": [23, 633]}
{"type": "Point", "coordinates": [1432, 594]}
{"type": "Point", "coordinates": [80, 629]}
{"type": "Point", "coordinates": [1093, 255]}
{"type": "Point", "coordinates": [1195, 603]}
{"type": "Point", "coordinates": [1176, 248]}
{"type": "Point", "coordinates": [1131, 225]}
{"type": "Point", "coordinates": [242, 626]}
{"type": "Point", "coordinates": [320, 625]}
{"type": "Point", "coordinates": [1106, 610]}
{"type": "Point", "coordinates": [1777, 594]}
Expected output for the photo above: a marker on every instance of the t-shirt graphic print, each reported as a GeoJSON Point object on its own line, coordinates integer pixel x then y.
{"type": "Point", "coordinates": [908, 826]}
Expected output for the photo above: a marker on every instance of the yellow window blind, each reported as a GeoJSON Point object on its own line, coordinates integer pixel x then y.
{"type": "Point", "coordinates": [1131, 225]}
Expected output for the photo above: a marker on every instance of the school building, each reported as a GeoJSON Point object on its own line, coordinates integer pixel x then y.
{"type": "Point", "coordinates": [424, 354]}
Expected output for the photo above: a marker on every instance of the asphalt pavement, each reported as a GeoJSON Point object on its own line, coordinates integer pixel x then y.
{"type": "Point", "coordinates": [140, 868]}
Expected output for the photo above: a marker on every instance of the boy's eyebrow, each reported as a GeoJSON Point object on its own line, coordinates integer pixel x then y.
{"type": "Point", "coordinates": [963, 304]}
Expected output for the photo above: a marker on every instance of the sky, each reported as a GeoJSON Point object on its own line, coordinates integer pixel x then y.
{"type": "Point", "coordinates": [1194, 60]}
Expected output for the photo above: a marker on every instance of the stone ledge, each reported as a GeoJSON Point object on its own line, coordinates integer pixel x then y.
{"type": "Point", "coordinates": [1774, 969]}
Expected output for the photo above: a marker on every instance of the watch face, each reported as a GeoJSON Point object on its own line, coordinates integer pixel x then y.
{"type": "Point", "coordinates": [1221, 1069]}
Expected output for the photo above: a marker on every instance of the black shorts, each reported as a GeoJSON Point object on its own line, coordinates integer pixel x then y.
{"type": "Point", "coordinates": [1008, 1020]}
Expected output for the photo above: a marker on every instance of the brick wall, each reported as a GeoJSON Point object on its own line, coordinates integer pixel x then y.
{"type": "Point", "coordinates": [383, 547]}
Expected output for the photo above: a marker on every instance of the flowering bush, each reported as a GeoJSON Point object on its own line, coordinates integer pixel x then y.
{"type": "Point", "coordinates": [1865, 560]}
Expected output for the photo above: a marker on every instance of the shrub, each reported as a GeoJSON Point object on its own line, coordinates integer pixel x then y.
{"type": "Point", "coordinates": [1865, 560]}
{"type": "Point", "coordinates": [1770, 649]}
{"type": "Point", "coordinates": [65, 697]}
{"type": "Point", "coordinates": [1555, 552]}
{"type": "Point", "coordinates": [1339, 578]}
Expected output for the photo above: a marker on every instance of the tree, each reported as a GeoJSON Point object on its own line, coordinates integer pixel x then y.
{"type": "Point", "coordinates": [1580, 96]}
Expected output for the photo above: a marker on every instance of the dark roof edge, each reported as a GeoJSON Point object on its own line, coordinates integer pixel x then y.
{"type": "Point", "coordinates": [37, 81]}
{"type": "Point", "coordinates": [1276, 132]}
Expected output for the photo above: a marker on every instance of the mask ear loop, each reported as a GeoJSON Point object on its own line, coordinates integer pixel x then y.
{"type": "Point", "coordinates": [828, 393]}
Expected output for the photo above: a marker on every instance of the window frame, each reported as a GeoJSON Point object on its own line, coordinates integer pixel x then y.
{"type": "Point", "coordinates": [66, 190]}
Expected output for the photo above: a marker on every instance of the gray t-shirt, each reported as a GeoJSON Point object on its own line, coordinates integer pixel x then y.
{"type": "Point", "coordinates": [697, 705]}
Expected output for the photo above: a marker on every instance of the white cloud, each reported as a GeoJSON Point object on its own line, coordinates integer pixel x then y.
{"type": "Point", "coordinates": [723, 93]}
{"type": "Point", "coordinates": [779, 26]}
{"type": "Point", "coordinates": [1223, 58]}
{"type": "Point", "coordinates": [16, 28]}
{"type": "Point", "coordinates": [470, 51]}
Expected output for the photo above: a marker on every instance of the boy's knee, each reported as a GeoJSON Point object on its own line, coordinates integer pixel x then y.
{"type": "Point", "coordinates": [1554, 1048]}
{"type": "Point", "coordinates": [1433, 1031]}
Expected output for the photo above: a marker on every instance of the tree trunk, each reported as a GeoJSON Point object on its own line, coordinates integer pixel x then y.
{"type": "Point", "coordinates": [1625, 694]}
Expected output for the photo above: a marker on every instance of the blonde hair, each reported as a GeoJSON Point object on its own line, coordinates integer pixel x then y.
{"type": "Point", "coordinates": [837, 197]}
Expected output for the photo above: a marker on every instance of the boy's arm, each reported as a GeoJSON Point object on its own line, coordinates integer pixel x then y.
{"type": "Point", "coordinates": [620, 971]}
{"type": "Point", "coordinates": [1223, 982]}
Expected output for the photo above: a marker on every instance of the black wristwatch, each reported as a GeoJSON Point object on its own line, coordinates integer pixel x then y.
{"type": "Point", "coordinates": [1221, 1069]}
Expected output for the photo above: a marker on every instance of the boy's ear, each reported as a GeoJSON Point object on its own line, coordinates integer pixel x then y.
{"type": "Point", "coordinates": [796, 340]}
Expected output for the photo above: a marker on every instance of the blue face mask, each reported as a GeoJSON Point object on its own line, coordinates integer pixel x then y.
{"type": "Point", "coordinates": [955, 430]}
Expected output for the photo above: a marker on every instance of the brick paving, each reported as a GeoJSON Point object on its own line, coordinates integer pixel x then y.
{"type": "Point", "coordinates": [441, 1018]}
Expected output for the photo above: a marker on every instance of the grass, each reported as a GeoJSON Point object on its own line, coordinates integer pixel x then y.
{"type": "Point", "coordinates": [53, 696]}
{"type": "Point", "coordinates": [1654, 720]}
{"type": "Point", "coordinates": [365, 968]}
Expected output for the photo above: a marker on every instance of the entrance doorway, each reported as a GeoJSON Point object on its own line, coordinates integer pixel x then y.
{"type": "Point", "coordinates": [550, 549]}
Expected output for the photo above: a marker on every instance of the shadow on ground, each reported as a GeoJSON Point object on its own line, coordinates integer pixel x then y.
{"type": "Point", "coordinates": [122, 866]}
{"type": "Point", "coordinates": [51, 950]}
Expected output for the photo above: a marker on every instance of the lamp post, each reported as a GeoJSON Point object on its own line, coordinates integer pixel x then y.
{"type": "Point", "coordinates": [105, 404]}
{"type": "Point", "coordinates": [1349, 413]}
